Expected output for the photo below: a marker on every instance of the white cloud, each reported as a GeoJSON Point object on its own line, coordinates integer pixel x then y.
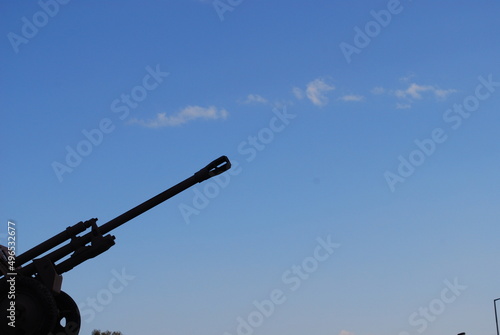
{"type": "Point", "coordinates": [352, 97]}
{"type": "Point", "coordinates": [315, 91]}
{"type": "Point", "coordinates": [377, 90]}
{"type": "Point", "coordinates": [414, 91]}
{"type": "Point", "coordinates": [345, 332]}
{"type": "Point", "coordinates": [443, 94]}
{"type": "Point", "coordinates": [189, 113]}
{"type": "Point", "coordinates": [255, 98]}
{"type": "Point", "coordinates": [407, 77]}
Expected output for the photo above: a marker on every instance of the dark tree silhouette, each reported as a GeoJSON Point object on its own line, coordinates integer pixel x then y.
{"type": "Point", "coordinates": [107, 332]}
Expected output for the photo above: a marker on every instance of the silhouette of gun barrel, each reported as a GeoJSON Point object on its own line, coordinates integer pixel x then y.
{"type": "Point", "coordinates": [46, 308]}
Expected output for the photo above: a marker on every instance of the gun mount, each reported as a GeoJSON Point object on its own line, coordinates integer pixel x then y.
{"type": "Point", "coordinates": [40, 306]}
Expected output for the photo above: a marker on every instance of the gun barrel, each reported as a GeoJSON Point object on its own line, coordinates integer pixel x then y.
{"type": "Point", "coordinates": [216, 167]}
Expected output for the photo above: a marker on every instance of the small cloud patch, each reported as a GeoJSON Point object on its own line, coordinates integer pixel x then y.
{"type": "Point", "coordinates": [187, 114]}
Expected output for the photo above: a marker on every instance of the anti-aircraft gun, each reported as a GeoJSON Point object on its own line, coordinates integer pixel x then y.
{"type": "Point", "coordinates": [31, 296]}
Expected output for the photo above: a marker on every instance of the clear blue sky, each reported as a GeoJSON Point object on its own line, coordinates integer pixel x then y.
{"type": "Point", "coordinates": [369, 124]}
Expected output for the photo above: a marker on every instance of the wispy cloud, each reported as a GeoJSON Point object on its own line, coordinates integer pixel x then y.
{"type": "Point", "coordinates": [352, 98]}
{"type": "Point", "coordinates": [316, 92]}
{"type": "Point", "coordinates": [443, 94]}
{"type": "Point", "coordinates": [407, 78]}
{"type": "Point", "coordinates": [345, 332]}
{"type": "Point", "coordinates": [187, 114]}
{"type": "Point", "coordinates": [414, 91]}
{"type": "Point", "coordinates": [255, 98]}
{"type": "Point", "coordinates": [377, 90]}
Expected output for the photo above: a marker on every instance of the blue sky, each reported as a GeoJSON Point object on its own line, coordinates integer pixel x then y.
{"type": "Point", "coordinates": [368, 125]}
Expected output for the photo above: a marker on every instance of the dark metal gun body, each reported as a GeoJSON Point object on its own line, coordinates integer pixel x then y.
{"type": "Point", "coordinates": [37, 264]}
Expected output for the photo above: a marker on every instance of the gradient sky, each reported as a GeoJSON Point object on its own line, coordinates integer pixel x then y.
{"type": "Point", "coordinates": [369, 124]}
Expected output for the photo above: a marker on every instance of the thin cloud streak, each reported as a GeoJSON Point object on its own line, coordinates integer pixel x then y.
{"type": "Point", "coordinates": [352, 98]}
{"type": "Point", "coordinates": [255, 98]}
{"type": "Point", "coordinates": [414, 91]}
{"type": "Point", "coordinates": [188, 114]}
